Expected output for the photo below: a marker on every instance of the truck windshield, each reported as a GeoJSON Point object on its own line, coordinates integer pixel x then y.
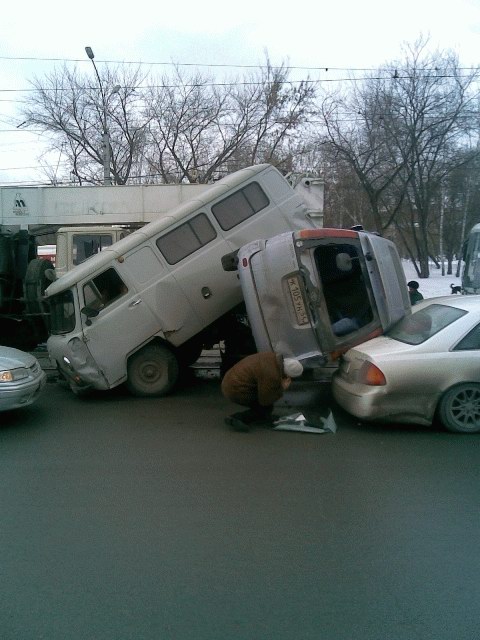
{"type": "Point", "coordinates": [86, 245]}
{"type": "Point", "coordinates": [62, 313]}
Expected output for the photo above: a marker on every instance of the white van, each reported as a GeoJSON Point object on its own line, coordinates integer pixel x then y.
{"type": "Point", "coordinates": [313, 294]}
{"type": "Point", "coordinates": [146, 306]}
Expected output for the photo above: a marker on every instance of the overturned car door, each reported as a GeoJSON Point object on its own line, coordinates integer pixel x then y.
{"type": "Point", "coordinates": [313, 294]}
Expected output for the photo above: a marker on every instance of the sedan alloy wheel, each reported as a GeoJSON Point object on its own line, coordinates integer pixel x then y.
{"type": "Point", "coordinates": [459, 409]}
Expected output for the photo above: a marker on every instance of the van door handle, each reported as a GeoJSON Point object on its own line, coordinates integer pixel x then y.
{"type": "Point", "coordinates": [134, 304]}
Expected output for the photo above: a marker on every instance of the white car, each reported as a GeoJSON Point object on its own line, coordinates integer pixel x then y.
{"type": "Point", "coordinates": [425, 367]}
{"type": "Point", "coordinates": [21, 379]}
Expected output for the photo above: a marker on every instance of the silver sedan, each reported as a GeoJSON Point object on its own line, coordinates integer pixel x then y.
{"type": "Point", "coordinates": [21, 378]}
{"type": "Point", "coordinates": [426, 367]}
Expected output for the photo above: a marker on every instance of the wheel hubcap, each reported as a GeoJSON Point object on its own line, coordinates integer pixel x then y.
{"type": "Point", "coordinates": [150, 372]}
{"type": "Point", "coordinates": [466, 408]}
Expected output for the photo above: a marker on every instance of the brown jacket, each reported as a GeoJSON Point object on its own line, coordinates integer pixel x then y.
{"type": "Point", "coordinates": [255, 379]}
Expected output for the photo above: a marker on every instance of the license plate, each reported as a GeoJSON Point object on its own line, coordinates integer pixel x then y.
{"type": "Point", "coordinates": [297, 301]}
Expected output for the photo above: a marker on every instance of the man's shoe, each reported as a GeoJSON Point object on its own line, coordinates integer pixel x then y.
{"type": "Point", "coordinates": [236, 424]}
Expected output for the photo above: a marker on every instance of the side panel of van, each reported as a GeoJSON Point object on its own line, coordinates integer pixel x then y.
{"type": "Point", "coordinates": [124, 320]}
{"type": "Point", "coordinates": [178, 320]}
{"type": "Point", "coordinates": [193, 251]}
{"type": "Point", "coordinates": [274, 208]}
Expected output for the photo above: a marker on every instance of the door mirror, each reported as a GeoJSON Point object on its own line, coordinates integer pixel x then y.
{"type": "Point", "coordinates": [90, 312]}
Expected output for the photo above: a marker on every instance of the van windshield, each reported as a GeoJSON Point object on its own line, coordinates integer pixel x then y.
{"type": "Point", "coordinates": [62, 313]}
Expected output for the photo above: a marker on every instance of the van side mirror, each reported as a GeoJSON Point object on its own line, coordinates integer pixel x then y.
{"type": "Point", "coordinates": [90, 312]}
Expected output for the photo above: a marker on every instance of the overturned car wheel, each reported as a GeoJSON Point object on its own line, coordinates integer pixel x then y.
{"type": "Point", "coordinates": [152, 371]}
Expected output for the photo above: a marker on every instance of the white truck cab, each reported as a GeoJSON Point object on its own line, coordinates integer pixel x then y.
{"type": "Point", "coordinates": [145, 306]}
{"type": "Point", "coordinates": [76, 244]}
{"type": "Point", "coordinates": [313, 294]}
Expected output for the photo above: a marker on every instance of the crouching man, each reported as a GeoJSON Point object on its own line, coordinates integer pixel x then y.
{"type": "Point", "coordinates": [257, 382]}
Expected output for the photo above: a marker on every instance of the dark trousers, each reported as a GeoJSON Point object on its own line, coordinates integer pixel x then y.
{"type": "Point", "coordinates": [255, 413]}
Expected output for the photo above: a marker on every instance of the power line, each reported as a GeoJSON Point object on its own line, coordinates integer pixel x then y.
{"type": "Point", "coordinates": [324, 68]}
{"type": "Point", "coordinates": [186, 64]}
{"type": "Point", "coordinates": [304, 81]}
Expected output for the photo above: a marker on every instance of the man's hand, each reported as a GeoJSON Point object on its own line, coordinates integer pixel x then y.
{"type": "Point", "coordinates": [286, 383]}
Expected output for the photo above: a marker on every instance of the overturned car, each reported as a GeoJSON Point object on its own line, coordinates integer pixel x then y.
{"type": "Point", "coordinates": [315, 293]}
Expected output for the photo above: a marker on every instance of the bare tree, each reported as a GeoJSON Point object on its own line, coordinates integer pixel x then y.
{"type": "Point", "coordinates": [181, 128]}
{"type": "Point", "coordinates": [278, 112]}
{"type": "Point", "coordinates": [431, 102]}
{"type": "Point", "coordinates": [193, 128]}
{"type": "Point", "coordinates": [72, 110]}
{"type": "Point", "coordinates": [357, 131]}
{"type": "Point", "coordinates": [199, 128]}
{"type": "Point", "coordinates": [403, 130]}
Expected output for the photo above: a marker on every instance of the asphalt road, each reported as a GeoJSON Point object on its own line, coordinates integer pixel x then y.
{"type": "Point", "coordinates": [125, 518]}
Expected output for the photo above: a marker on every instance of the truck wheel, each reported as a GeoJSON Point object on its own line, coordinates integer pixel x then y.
{"type": "Point", "coordinates": [36, 281]}
{"type": "Point", "coordinates": [152, 371]}
{"type": "Point", "coordinates": [459, 408]}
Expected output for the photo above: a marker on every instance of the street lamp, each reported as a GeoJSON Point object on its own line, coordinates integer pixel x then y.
{"type": "Point", "coordinates": [105, 135]}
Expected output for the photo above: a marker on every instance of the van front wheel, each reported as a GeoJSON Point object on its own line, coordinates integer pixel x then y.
{"type": "Point", "coordinates": [152, 371]}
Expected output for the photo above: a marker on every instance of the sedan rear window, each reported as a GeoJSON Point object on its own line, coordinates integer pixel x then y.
{"type": "Point", "coordinates": [425, 323]}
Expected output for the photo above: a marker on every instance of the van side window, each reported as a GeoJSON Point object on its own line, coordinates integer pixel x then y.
{"type": "Point", "coordinates": [240, 205]}
{"type": "Point", "coordinates": [103, 289]}
{"type": "Point", "coordinates": [186, 239]}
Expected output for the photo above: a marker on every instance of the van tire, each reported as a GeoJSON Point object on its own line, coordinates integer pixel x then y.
{"type": "Point", "coordinates": [152, 371]}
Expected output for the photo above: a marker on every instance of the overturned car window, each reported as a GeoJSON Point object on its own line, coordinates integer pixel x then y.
{"type": "Point", "coordinates": [422, 325]}
{"type": "Point", "coordinates": [344, 288]}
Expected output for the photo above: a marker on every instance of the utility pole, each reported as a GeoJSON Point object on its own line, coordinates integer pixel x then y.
{"type": "Point", "coordinates": [105, 134]}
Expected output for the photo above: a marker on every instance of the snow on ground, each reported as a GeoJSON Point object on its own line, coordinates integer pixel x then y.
{"type": "Point", "coordinates": [436, 284]}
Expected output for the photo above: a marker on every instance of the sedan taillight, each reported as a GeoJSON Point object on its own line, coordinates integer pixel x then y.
{"type": "Point", "coordinates": [371, 375]}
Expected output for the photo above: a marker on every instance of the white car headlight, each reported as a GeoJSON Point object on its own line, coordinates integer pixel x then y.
{"type": "Point", "coordinates": [13, 374]}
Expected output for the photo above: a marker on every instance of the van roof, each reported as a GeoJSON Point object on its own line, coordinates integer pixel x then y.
{"type": "Point", "coordinates": [205, 198]}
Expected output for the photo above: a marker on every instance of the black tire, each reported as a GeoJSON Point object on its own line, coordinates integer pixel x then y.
{"type": "Point", "coordinates": [459, 408]}
{"type": "Point", "coordinates": [152, 371]}
{"type": "Point", "coordinates": [36, 281]}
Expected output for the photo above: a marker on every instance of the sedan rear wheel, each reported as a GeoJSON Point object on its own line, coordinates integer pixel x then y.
{"type": "Point", "coordinates": [459, 409]}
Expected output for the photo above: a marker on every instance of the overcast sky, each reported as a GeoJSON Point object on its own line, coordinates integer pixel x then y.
{"type": "Point", "coordinates": [343, 34]}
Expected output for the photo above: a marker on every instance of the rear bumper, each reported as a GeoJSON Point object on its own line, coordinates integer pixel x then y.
{"type": "Point", "coordinates": [375, 404]}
